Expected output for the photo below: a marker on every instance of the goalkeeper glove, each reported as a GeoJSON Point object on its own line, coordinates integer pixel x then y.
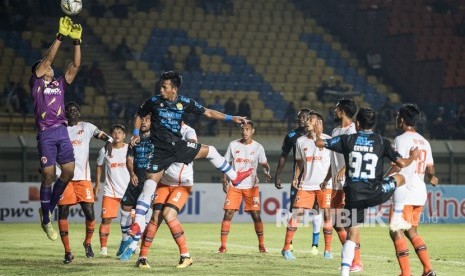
{"type": "Point", "coordinates": [64, 27]}
{"type": "Point", "coordinates": [76, 33]}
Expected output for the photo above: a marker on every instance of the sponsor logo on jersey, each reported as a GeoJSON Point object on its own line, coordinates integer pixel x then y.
{"type": "Point", "coordinates": [243, 160]}
{"type": "Point", "coordinates": [52, 91]}
{"type": "Point", "coordinates": [117, 165]}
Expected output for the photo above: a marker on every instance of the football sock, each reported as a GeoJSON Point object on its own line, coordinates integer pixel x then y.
{"type": "Point", "coordinates": [58, 189]}
{"type": "Point", "coordinates": [220, 163]}
{"type": "Point", "coordinates": [290, 231]}
{"type": "Point", "coordinates": [347, 253]}
{"type": "Point", "coordinates": [328, 235]}
{"type": "Point", "coordinates": [259, 231]}
{"type": "Point", "coordinates": [45, 194]}
{"type": "Point", "coordinates": [422, 252]}
{"type": "Point", "coordinates": [178, 235]}
{"type": "Point", "coordinates": [63, 226]}
{"type": "Point", "coordinates": [402, 255]}
{"type": "Point", "coordinates": [225, 226]}
{"type": "Point", "coordinates": [125, 223]}
{"type": "Point", "coordinates": [144, 201]}
{"type": "Point", "coordinates": [317, 219]}
{"type": "Point", "coordinates": [147, 240]}
{"type": "Point", "coordinates": [90, 225]}
{"type": "Point", "coordinates": [104, 232]}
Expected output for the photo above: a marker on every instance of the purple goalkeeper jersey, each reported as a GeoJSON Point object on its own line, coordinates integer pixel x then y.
{"type": "Point", "coordinates": [49, 107]}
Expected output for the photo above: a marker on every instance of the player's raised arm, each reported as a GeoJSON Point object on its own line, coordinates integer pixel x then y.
{"type": "Point", "coordinates": [73, 68]}
{"type": "Point", "coordinates": [213, 114]}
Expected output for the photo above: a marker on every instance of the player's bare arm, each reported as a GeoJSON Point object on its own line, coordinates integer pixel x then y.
{"type": "Point", "coordinates": [327, 178]}
{"type": "Point", "coordinates": [98, 175]}
{"type": "Point", "coordinates": [213, 114]}
{"type": "Point", "coordinates": [135, 139]}
{"type": "Point", "coordinates": [279, 169]}
{"type": "Point", "coordinates": [73, 68]}
{"type": "Point", "coordinates": [130, 166]}
{"type": "Point", "coordinates": [266, 171]}
{"type": "Point", "coordinates": [299, 169]}
{"type": "Point", "coordinates": [430, 175]}
{"type": "Point", "coordinates": [404, 162]}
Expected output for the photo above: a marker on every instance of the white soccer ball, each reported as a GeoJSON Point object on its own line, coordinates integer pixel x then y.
{"type": "Point", "coordinates": [71, 7]}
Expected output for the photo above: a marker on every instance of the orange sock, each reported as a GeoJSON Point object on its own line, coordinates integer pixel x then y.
{"type": "Point", "coordinates": [259, 231]}
{"type": "Point", "coordinates": [422, 252]}
{"type": "Point", "coordinates": [290, 231]}
{"type": "Point", "coordinates": [342, 234]}
{"type": "Point", "coordinates": [104, 232]}
{"type": "Point", "coordinates": [357, 253]}
{"type": "Point", "coordinates": [225, 226]}
{"type": "Point", "coordinates": [402, 256]}
{"type": "Point", "coordinates": [147, 240]}
{"type": "Point", "coordinates": [328, 235]}
{"type": "Point", "coordinates": [90, 225]}
{"type": "Point", "coordinates": [63, 226]}
{"type": "Point", "coordinates": [178, 235]}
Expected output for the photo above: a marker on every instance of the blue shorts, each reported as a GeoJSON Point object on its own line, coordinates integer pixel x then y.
{"type": "Point", "coordinates": [54, 147]}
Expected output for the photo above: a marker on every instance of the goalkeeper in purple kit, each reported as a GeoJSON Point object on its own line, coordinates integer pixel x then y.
{"type": "Point", "coordinates": [53, 142]}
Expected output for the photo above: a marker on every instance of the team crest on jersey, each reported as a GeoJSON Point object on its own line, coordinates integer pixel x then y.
{"type": "Point", "coordinates": [179, 106]}
{"type": "Point", "coordinates": [162, 105]}
{"type": "Point", "coordinates": [238, 151]}
{"type": "Point", "coordinates": [43, 159]}
{"type": "Point", "coordinates": [252, 152]}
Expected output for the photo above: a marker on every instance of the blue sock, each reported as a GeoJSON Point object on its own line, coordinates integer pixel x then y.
{"type": "Point", "coordinates": [58, 189]}
{"type": "Point", "coordinates": [45, 194]}
{"type": "Point", "coordinates": [316, 237]}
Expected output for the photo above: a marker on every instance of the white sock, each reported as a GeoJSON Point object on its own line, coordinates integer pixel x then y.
{"type": "Point", "coordinates": [317, 219]}
{"type": "Point", "coordinates": [186, 255]}
{"type": "Point", "coordinates": [144, 202]}
{"type": "Point", "coordinates": [125, 223]}
{"type": "Point", "coordinates": [348, 251]}
{"type": "Point", "coordinates": [220, 163]}
{"type": "Point", "coordinates": [397, 204]}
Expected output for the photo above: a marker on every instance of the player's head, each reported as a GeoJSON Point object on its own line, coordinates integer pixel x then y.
{"type": "Point", "coordinates": [313, 118]}
{"type": "Point", "coordinates": [408, 114]}
{"type": "Point", "coordinates": [302, 117]}
{"type": "Point", "coordinates": [366, 118]}
{"type": "Point", "coordinates": [170, 82]}
{"type": "Point", "coordinates": [247, 130]}
{"type": "Point", "coordinates": [49, 73]}
{"type": "Point", "coordinates": [118, 133]}
{"type": "Point", "coordinates": [145, 125]}
{"type": "Point", "coordinates": [344, 107]}
{"type": "Point", "coordinates": [72, 111]}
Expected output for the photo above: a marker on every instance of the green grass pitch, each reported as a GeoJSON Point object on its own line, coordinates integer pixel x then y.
{"type": "Point", "coordinates": [25, 250]}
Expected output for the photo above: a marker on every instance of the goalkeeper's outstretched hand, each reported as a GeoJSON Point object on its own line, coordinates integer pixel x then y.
{"type": "Point", "coordinates": [76, 32]}
{"type": "Point", "coordinates": [65, 25]}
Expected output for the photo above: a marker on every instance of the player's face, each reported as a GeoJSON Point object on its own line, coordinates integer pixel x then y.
{"type": "Point", "coordinates": [145, 126]}
{"type": "Point", "coordinates": [337, 114]}
{"type": "Point", "coordinates": [72, 113]}
{"type": "Point", "coordinates": [302, 119]}
{"type": "Point", "coordinates": [118, 135]}
{"type": "Point", "coordinates": [168, 91]}
{"type": "Point", "coordinates": [247, 132]}
{"type": "Point", "coordinates": [311, 122]}
{"type": "Point", "coordinates": [49, 73]}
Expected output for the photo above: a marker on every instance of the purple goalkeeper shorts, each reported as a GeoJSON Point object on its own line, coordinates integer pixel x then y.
{"type": "Point", "coordinates": [54, 147]}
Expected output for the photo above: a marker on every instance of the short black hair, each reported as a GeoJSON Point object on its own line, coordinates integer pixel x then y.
{"type": "Point", "coordinates": [366, 117]}
{"type": "Point", "coordinates": [317, 114]}
{"type": "Point", "coordinates": [72, 103]}
{"type": "Point", "coordinates": [34, 66]}
{"type": "Point", "coordinates": [173, 76]}
{"type": "Point", "coordinates": [249, 122]}
{"type": "Point", "coordinates": [116, 126]}
{"type": "Point", "coordinates": [410, 113]}
{"type": "Point", "coordinates": [348, 106]}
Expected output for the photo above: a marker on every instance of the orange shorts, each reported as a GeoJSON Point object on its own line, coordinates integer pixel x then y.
{"type": "Point", "coordinates": [173, 195]}
{"type": "Point", "coordinates": [412, 214]}
{"type": "Point", "coordinates": [337, 199]}
{"type": "Point", "coordinates": [76, 192]}
{"type": "Point", "coordinates": [306, 199]}
{"type": "Point", "coordinates": [110, 207]}
{"type": "Point", "coordinates": [234, 199]}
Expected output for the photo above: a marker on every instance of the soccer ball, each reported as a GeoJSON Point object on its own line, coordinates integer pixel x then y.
{"type": "Point", "coordinates": [71, 7]}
